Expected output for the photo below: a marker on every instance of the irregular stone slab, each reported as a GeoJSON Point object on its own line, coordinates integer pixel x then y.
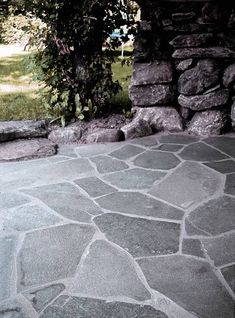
{"type": "Point", "coordinates": [191, 283]}
{"type": "Point", "coordinates": [88, 307]}
{"type": "Point", "coordinates": [11, 130]}
{"type": "Point", "coordinates": [192, 40]}
{"type": "Point", "coordinates": [225, 144]}
{"type": "Point", "coordinates": [7, 251]}
{"type": "Point", "coordinates": [95, 187]}
{"type": "Point", "coordinates": [140, 237]}
{"type": "Point", "coordinates": [139, 204]}
{"type": "Point", "coordinates": [157, 160]}
{"type": "Point", "coordinates": [169, 147]}
{"type": "Point", "coordinates": [106, 135]}
{"type": "Point", "coordinates": [106, 164]}
{"type": "Point", "coordinates": [134, 178]}
{"type": "Point", "coordinates": [192, 230]}
{"type": "Point", "coordinates": [41, 297]}
{"type": "Point", "coordinates": [184, 65]}
{"type": "Point", "coordinates": [210, 52]}
{"type": "Point", "coordinates": [27, 218]}
{"type": "Point", "coordinates": [229, 75]}
{"type": "Point", "coordinates": [59, 250]}
{"type": "Point", "coordinates": [192, 247]}
{"type": "Point", "coordinates": [216, 216]}
{"type": "Point", "coordinates": [211, 122]}
{"type": "Point", "coordinates": [151, 95]}
{"type": "Point", "coordinates": [201, 102]}
{"type": "Point", "coordinates": [225, 166]}
{"type": "Point", "coordinates": [199, 78]}
{"type": "Point", "coordinates": [13, 309]}
{"type": "Point", "coordinates": [229, 275]}
{"type": "Point", "coordinates": [66, 200]}
{"type": "Point", "coordinates": [126, 152]}
{"type": "Point", "coordinates": [233, 115]}
{"type": "Point", "coordinates": [198, 183]}
{"type": "Point", "coordinates": [67, 150]}
{"type": "Point", "coordinates": [178, 139]}
{"type": "Point", "coordinates": [221, 249]}
{"type": "Point", "coordinates": [95, 150]}
{"type": "Point", "coordinates": [26, 149]}
{"type": "Point", "coordinates": [183, 16]}
{"type": "Point", "coordinates": [137, 128]}
{"type": "Point", "coordinates": [10, 199]}
{"type": "Point", "coordinates": [230, 184]}
{"type": "Point", "coordinates": [65, 135]}
{"type": "Point", "coordinates": [108, 272]}
{"type": "Point", "coordinates": [146, 141]}
{"type": "Point", "coordinates": [201, 152]}
{"type": "Point", "coordinates": [19, 166]}
{"type": "Point", "coordinates": [157, 72]}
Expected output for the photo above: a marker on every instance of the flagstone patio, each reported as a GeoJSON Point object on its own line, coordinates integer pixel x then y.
{"type": "Point", "coordinates": [139, 229]}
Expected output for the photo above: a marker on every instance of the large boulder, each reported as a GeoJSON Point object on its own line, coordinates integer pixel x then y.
{"type": "Point", "coordinates": [11, 130]}
{"type": "Point", "coordinates": [66, 135]}
{"type": "Point", "coordinates": [211, 122]}
{"type": "Point", "coordinates": [26, 149]}
{"type": "Point", "coordinates": [229, 75]}
{"type": "Point", "coordinates": [105, 135]}
{"type": "Point", "coordinates": [199, 78]}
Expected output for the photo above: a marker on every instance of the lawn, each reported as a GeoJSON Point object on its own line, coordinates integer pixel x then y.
{"type": "Point", "coordinates": [18, 93]}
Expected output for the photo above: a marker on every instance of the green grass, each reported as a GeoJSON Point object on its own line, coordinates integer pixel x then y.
{"type": "Point", "coordinates": [18, 98]}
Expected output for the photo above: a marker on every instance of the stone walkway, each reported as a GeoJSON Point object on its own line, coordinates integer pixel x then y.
{"type": "Point", "coordinates": [140, 229]}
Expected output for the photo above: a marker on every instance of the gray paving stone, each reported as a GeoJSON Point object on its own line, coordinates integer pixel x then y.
{"type": "Point", "coordinates": [67, 150]}
{"type": "Point", "coordinates": [61, 300]}
{"type": "Point", "coordinates": [108, 272]}
{"type": "Point", "coordinates": [157, 160]}
{"type": "Point", "coordinates": [11, 199]}
{"type": "Point", "coordinates": [192, 247]}
{"type": "Point", "coordinates": [96, 149]}
{"type": "Point", "coordinates": [11, 167]}
{"type": "Point", "coordinates": [169, 147]}
{"type": "Point", "coordinates": [225, 166]}
{"type": "Point", "coordinates": [52, 254]}
{"type": "Point", "coordinates": [41, 297]}
{"type": "Point", "coordinates": [229, 275]}
{"type": "Point", "coordinates": [13, 309]}
{"type": "Point", "coordinates": [96, 308]}
{"type": "Point", "coordinates": [140, 237]}
{"type": "Point", "coordinates": [187, 185]}
{"type": "Point", "coordinates": [136, 178]}
{"type": "Point", "coordinates": [7, 250]}
{"type": "Point", "coordinates": [221, 249]}
{"type": "Point", "coordinates": [192, 230]}
{"type": "Point", "coordinates": [201, 152]}
{"type": "Point", "coordinates": [126, 152]}
{"type": "Point", "coordinates": [67, 200]}
{"type": "Point", "coordinates": [178, 139]}
{"type": "Point", "coordinates": [106, 164]}
{"type": "Point", "coordinates": [191, 283]}
{"type": "Point", "coordinates": [27, 218]}
{"type": "Point", "coordinates": [139, 204]}
{"type": "Point", "coordinates": [225, 144]}
{"type": "Point", "coordinates": [216, 216]}
{"type": "Point", "coordinates": [146, 141]}
{"type": "Point", "coordinates": [94, 186]}
{"type": "Point", "coordinates": [230, 184]}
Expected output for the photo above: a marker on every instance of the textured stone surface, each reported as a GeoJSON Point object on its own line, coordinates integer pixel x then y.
{"type": "Point", "coordinates": [13, 309]}
{"type": "Point", "coordinates": [157, 72]}
{"type": "Point", "coordinates": [225, 144]}
{"type": "Point", "coordinates": [106, 164]}
{"type": "Point", "coordinates": [138, 204]}
{"type": "Point", "coordinates": [157, 160]}
{"type": "Point", "coordinates": [178, 139]}
{"type": "Point", "coordinates": [184, 65]}
{"type": "Point", "coordinates": [148, 141]}
{"type": "Point", "coordinates": [95, 150]}
{"type": "Point", "coordinates": [192, 247]}
{"type": "Point", "coordinates": [137, 128]}
{"type": "Point", "coordinates": [201, 152]}
{"type": "Point", "coordinates": [201, 102]}
{"type": "Point", "coordinates": [10, 130]}
{"type": "Point", "coordinates": [189, 282]}
{"type": "Point", "coordinates": [7, 249]}
{"type": "Point", "coordinates": [169, 147]}
{"type": "Point", "coordinates": [214, 246]}
{"type": "Point", "coordinates": [59, 251]}
{"type": "Point", "coordinates": [233, 115]}
{"type": "Point", "coordinates": [26, 149]}
{"type": "Point", "coordinates": [199, 78]}
{"type": "Point", "coordinates": [192, 40]}
{"type": "Point", "coordinates": [65, 135]}
{"type": "Point", "coordinates": [230, 184]}
{"type": "Point", "coordinates": [40, 298]}
{"type": "Point", "coordinates": [126, 152]}
{"type": "Point", "coordinates": [208, 123]}
{"type": "Point", "coordinates": [11, 199]}
{"type": "Point", "coordinates": [108, 272]}
{"type": "Point", "coordinates": [26, 218]}
{"type": "Point", "coordinates": [135, 178]}
{"type": "Point", "coordinates": [94, 186]}
{"type": "Point", "coordinates": [87, 308]}
{"type": "Point", "coordinates": [198, 183]}
{"type": "Point", "coordinates": [212, 52]}
{"type": "Point", "coordinates": [151, 95]}
{"type": "Point", "coordinates": [215, 217]}
{"type": "Point", "coordinates": [229, 75]}
{"type": "Point", "coordinates": [66, 200]}
{"type": "Point", "coordinates": [225, 166]}
{"type": "Point", "coordinates": [140, 237]}
{"type": "Point", "coordinates": [229, 275]}
{"type": "Point", "coordinates": [105, 135]}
